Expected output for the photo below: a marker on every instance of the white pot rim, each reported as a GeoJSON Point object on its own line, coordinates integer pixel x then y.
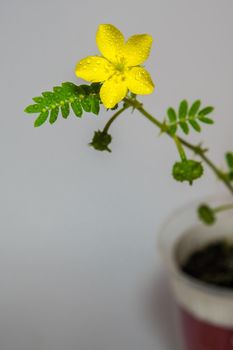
{"type": "Point", "coordinates": [210, 303]}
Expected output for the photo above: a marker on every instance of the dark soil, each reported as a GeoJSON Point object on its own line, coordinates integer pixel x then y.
{"type": "Point", "coordinates": [212, 264]}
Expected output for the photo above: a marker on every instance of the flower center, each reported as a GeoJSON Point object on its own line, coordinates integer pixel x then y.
{"type": "Point", "coordinates": [120, 65]}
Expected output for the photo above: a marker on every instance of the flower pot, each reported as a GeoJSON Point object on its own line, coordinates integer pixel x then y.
{"type": "Point", "coordinates": [205, 311]}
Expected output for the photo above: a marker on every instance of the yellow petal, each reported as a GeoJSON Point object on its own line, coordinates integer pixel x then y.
{"type": "Point", "coordinates": [137, 49]}
{"type": "Point", "coordinates": [139, 81]}
{"type": "Point", "coordinates": [110, 41]}
{"type": "Point", "coordinates": [94, 68]}
{"type": "Point", "coordinates": [113, 91]}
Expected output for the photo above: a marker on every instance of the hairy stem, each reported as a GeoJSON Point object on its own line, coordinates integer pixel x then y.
{"type": "Point", "coordinates": [111, 120]}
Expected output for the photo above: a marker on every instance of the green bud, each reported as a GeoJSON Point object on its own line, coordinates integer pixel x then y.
{"type": "Point", "coordinates": [101, 140]}
{"type": "Point", "coordinates": [206, 214]}
{"type": "Point", "coordinates": [187, 170]}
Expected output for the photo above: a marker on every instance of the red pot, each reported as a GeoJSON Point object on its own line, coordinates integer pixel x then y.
{"type": "Point", "coordinates": [205, 311]}
{"type": "Point", "coordinates": [203, 335]}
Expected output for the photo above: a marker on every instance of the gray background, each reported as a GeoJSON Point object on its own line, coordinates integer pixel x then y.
{"type": "Point", "coordinates": [79, 265]}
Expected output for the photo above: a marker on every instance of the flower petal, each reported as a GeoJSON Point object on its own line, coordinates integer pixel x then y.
{"type": "Point", "coordinates": [110, 41]}
{"type": "Point", "coordinates": [137, 49]}
{"type": "Point", "coordinates": [113, 91]}
{"type": "Point", "coordinates": [94, 68]}
{"type": "Point", "coordinates": [139, 81]}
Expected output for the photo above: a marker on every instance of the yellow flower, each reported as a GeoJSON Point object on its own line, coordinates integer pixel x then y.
{"type": "Point", "coordinates": [119, 68]}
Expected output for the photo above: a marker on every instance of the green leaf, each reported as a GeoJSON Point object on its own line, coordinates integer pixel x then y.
{"type": "Point", "coordinates": [83, 97]}
{"type": "Point", "coordinates": [69, 88]}
{"type": "Point", "coordinates": [47, 94]}
{"type": "Point", "coordinates": [206, 110]}
{"type": "Point", "coordinates": [171, 114]}
{"type": "Point", "coordinates": [38, 99]}
{"type": "Point", "coordinates": [53, 115]}
{"type": "Point", "coordinates": [194, 108]}
{"type": "Point", "coordinates": [229, 160]}
{"type": "Point", "coordinates": [205, 120]}
{"type": "Point", "coordinates": [95, 106]}
{"type": "Point", "coordinates": [48, 97]}
{"type": "Point", "coordinates": [195, 125]}
{"type": "Point", "coordinates": [77, 108]}
{"type": "Point", "coordinates": [184, 126]}
{"type": "Point", "coordinates": [187, 117]}
{"type": "Point", "coordinates": [84, 89]}
{"type": "Point", "coordinates": [65, 110]}
{"type": "Point", "coordinates": [86, 104]}
{"type": "Point", "coordinates": [95, 88]}
{"type": "Point", "coordinates": [41, 119]}
{"type": "Point", "coordinates": [172, 117]}
{"type": "Point", "coordinates": [183, 109]}
{"type": "Point", "coordinates": [33, 108]}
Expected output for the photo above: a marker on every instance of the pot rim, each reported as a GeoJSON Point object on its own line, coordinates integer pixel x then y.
{"type": "Point", "coordinates": [168, 255]}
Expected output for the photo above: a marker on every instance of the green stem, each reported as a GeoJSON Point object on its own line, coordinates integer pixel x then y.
{"type": "Point", "coordinates": [180, 148]}
{"type": "Point", "coordinates": [223, 208]}
{"type": "Point", "coordinates": [111, 120]}
{"type": "Point", "coordinates": [196, 149]}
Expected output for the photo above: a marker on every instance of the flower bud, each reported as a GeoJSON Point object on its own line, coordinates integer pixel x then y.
{"type": "Point", "coordinates": [187, 170]}
{"type": "Point", "coordinates": [101, 140]}
{"type": "Point", "coordinates": [206, 214]}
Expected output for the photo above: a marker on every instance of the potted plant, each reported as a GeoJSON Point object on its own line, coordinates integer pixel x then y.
{"type": "Point", "coordinates": [198, 248]}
